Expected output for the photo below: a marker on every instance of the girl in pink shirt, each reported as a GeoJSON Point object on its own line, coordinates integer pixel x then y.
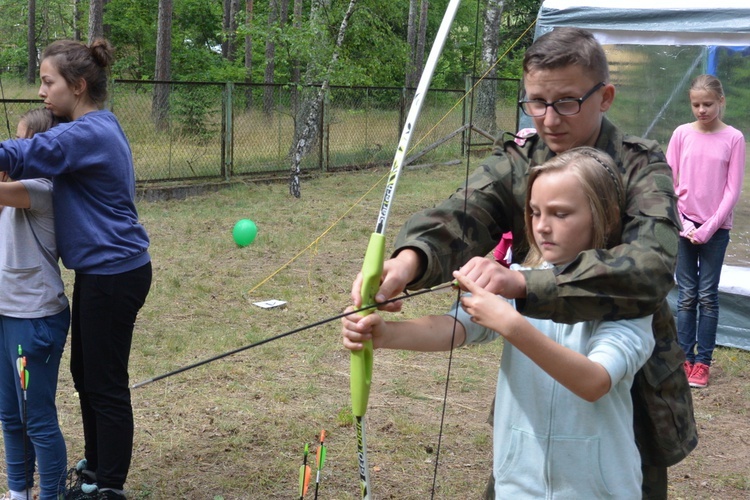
{"type": "Point", "coordinates": [707, 158]}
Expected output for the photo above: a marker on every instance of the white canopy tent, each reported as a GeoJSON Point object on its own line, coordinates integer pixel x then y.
{"type": "Point", "coordinates": [655, 48]}
{"type": "Point", "coordinates": [653, 22]}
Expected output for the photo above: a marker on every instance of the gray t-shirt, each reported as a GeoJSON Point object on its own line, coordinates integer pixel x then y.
{"type": "Point", "coordinates": [30, 282]}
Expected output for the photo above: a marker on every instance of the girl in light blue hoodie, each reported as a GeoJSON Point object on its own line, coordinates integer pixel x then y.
{"type": "Point", "coordinates": [563, 420]}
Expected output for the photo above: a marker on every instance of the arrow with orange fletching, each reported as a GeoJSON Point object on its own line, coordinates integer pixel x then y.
{"type": "Point", "coordinates": [304, 474]}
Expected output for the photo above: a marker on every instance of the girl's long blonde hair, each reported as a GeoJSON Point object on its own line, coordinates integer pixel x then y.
{"type": "Point", "coordinates": [602, 185]}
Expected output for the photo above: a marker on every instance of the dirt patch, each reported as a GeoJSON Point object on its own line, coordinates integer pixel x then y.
{"type": "Point", "coordinates": [236, 428]}
{"type": "Point", "coordinates": [720, 466]}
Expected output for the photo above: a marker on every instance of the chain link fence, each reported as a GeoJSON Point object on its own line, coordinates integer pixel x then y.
{"type": "Point", "coordinates": [183, 131]}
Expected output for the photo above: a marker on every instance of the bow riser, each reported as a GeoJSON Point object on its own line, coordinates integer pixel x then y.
{"type": "Point", "coordinates": [372, 268]}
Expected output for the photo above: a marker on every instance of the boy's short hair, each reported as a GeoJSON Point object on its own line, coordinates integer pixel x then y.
{"type": "Point", "coordinates": [565, 47]}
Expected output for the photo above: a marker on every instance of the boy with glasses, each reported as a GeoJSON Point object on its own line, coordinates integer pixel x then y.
{"type": "Point", "coordinates": [567, 106]}
{"type": "Point", "coordinates": [566, 79]}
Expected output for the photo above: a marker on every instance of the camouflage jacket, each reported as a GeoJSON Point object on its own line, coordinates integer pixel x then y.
{"type": "Point", "coordinates": [627, 281]}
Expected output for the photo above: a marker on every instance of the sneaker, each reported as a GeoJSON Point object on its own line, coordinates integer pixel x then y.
{"type": "Point", "coordinates": [84, 492]}
{"type": "Point", "coordinates": [699, 376]}
{"type": "Point", "coordinates": [110, 495]}
{"type": "Point", "coordinates": [81, 483]}
{"type": "Point", "coordinates": [688, 366]}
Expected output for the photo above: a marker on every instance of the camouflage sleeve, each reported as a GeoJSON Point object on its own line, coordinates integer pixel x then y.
{"type": "Point", "coordinates": [631, 279]}
{"type": "Point", "coordinates": [471, 221]}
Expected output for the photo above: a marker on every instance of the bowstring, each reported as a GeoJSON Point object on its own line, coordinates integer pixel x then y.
{"type": "Point", "coordinates": [463, 247]}
{"type": "Point", "coordinates": [471, 94]}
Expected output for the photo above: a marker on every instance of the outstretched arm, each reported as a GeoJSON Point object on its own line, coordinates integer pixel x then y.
{"type": "Point", "coordinates": [426, 334]}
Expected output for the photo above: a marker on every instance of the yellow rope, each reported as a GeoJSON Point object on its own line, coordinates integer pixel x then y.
{"type": "Point", "coordinates": [316, 240]}
{"type": "Point", "coordinates": [377, 183]}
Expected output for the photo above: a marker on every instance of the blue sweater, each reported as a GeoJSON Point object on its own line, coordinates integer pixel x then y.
{"type": "Point", "coordinates": [91, 167]}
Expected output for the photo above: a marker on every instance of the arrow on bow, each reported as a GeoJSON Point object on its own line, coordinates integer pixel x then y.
{"type": "Point", "coordinates": [372, 267]}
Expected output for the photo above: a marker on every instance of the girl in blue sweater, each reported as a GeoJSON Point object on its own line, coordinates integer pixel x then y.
{"type": "Point", "coordinates": [563, 420]}
{"type": "Point", "coordinates": [100, 238]}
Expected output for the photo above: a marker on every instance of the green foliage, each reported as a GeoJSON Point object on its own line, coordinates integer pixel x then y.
{"type": "Point", "coordinates": [373, 28]}
{"type": "Point", "coordinates": [457, 59]}
{"type": "Point", "coordinates": [192, 104]}
{"type": "Point", "coordinates": [132, 31]}
{"type": "Point", "coordinates": [14, 58]}
{"type": "Point", "coordinates": [517, 33]}
{"type": "Point", "coordinates": [374, 52]}
{"type": "Point", "coordinates": [198, 21]}
{"type": "Point", "coordinates": [13, 55]}
{"type": "Point", "coordinates": [734, 71]}
{"type": "Point", "coordinates": [192, 62]}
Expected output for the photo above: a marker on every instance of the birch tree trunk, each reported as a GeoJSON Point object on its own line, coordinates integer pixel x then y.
{"type": "Point", "coordinates": [305, 99]}
{"type": "Point", "coordinates": [304, 142]}
{"type": "Point", "coordinates": [485, 104]}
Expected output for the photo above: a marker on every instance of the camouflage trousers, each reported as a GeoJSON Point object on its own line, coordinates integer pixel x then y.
{"type": "Point", "coordinates": [654, 485]}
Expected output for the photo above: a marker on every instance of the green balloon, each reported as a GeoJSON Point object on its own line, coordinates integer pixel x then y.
{"type": "Point", "coordinates": [244, 232]}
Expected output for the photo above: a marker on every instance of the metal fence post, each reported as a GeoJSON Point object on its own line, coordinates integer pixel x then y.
{"type": "Point", "coordinates": [323, 135]}
{"type": "Point", "coordinates": [227, 133]}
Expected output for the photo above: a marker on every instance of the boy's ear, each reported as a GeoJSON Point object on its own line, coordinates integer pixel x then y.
{"type": "Point", "coordinates": [608, 97]}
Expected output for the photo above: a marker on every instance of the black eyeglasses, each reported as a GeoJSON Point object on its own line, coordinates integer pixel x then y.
{"type": "Point", "coordinates": [564, 107]}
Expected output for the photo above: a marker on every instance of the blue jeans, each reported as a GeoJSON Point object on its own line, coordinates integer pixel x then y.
{"type": "Point", "coordinates": [42, 341]}
{"type": "Point", "coordinates": [698, 274]}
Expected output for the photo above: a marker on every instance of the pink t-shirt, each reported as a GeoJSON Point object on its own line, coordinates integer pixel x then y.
{"type": "Point", "coordinates": [708, 170]}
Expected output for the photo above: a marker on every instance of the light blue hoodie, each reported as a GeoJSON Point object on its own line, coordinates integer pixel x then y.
{"type": "Point", "coordinates": [550, 443]}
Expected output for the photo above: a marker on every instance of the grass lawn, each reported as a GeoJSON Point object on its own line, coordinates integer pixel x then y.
{"type": "Point", "coordinates": [236, 428]}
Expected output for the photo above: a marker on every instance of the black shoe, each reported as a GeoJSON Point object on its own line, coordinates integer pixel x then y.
{"type": "Point", "coordinates": [84, 492]}
{"type": "Point", "coordinates": [110, 495]}
{"type": "Point", "coordinates": [81, 483]}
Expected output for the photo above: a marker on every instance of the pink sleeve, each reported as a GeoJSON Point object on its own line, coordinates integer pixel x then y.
{"type": "Point", "coordinates": [732, 190]}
